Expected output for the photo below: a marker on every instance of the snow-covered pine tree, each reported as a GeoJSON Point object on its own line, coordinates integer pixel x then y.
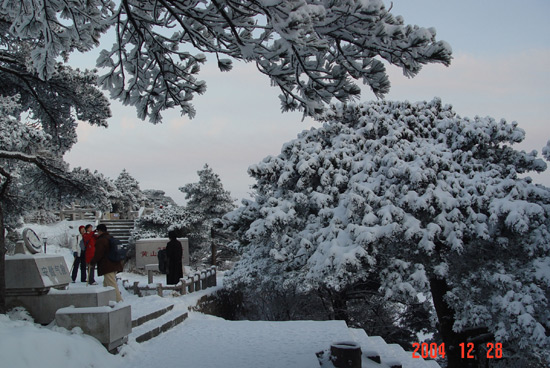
{"type": "Point", "coordinates": [162, 220]}
{"type": "Point", "coordinates": [157, 198]}
{"type": "Point", "coordinates": [207, 203]}
{"type": "Point", "coordinates": [131, 197]}
{"type": "Point", "coordinates": [314, 51]}
{"type": "Point", "coordinates": [38, 121]}
{"type": "Point", "coordinates": [426, 201]}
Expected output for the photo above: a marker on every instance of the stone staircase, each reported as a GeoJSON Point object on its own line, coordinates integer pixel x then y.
{"type": "Point", "coordinates": [120, 229]}
{"type": "Point", "coordinates": [152, 324]}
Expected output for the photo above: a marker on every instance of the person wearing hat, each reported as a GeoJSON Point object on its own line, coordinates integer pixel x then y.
{"type": "Point", "coordinates": [106, 267]}
{"type": "Point", "coordinates": [79, 256]}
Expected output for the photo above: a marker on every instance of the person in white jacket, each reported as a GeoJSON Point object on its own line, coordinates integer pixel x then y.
{"type": "Point", "coordinates": [79, 253]}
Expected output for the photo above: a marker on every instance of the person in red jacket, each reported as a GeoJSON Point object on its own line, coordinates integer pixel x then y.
{"type": "Point", "coordinates": [106, 267]}
{"type": "Point", "coordinates": [89, 242]}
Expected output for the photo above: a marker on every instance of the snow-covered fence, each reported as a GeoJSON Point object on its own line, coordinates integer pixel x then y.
{"type": "Point", "coordinates": [200, 280]}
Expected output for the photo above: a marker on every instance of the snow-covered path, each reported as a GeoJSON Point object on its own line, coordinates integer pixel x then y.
{"type": "Point", "coordinates": [209, 342]}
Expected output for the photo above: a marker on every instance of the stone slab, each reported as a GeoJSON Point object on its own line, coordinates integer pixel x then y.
{"type": "Point", "coordinates": [43, 307]}
{"type": "Point", "coordinates": [109, 324]}
{"type": "Point", "coordinates": [146, 250]}
{"type": "Point", "coordinates": [35, 274]}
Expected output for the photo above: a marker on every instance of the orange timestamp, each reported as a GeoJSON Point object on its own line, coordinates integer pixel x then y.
{"type": "Point", "coordinates": [434, 351]}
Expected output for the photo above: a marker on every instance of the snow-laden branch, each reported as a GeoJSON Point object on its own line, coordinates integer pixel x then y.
{"type": "Point", "coordinates": [314, 51]}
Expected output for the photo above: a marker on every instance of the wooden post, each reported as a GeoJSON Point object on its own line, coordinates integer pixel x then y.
{"type": "Point", "coordinates": [149, 276]}
{"type": "Point", "coordinates": [159, 290]}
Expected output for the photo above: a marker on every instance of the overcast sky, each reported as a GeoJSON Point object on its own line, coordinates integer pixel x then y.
{"type": "Point", "coordinates": [501, 51]}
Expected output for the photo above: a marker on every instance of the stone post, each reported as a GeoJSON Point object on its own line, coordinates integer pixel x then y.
{"type": "Point", "coordinates": [214, 279]}
{"type": "Point", "coordinates": [191, 281]}
{"type": "Point", "coordinates": [346, 354]}
{"type": "Point", "coordinates": [197, 279]}
{"type": "Point", "coordinates": [204, 281]}
{"type": "Point", "coordinates": [136, 288]}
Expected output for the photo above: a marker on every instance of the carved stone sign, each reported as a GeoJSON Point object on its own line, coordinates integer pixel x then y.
{"type": "Point", "coordinates": [35, 274]}
{"type": "Point", "coordinates": [32, 241]}
{"type": "Point", "coordinates": [146, 250]}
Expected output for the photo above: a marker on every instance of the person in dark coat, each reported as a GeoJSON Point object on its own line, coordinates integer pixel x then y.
{"type": "Point", "coordinates": [106, 267]}
{"type": "Point", "coordinates": [174, 252]}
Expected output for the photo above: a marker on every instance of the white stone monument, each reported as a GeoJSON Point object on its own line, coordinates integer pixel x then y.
{"type": "Point", "coordinates": [147, 250]}
{"type": "Point", "coordinates": [39, 283]}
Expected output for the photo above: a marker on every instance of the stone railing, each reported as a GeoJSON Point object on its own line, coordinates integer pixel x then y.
{"type": "Point", "coordinates": [200, 280]}
{"type": "Point", "coordinates": [76, 212]}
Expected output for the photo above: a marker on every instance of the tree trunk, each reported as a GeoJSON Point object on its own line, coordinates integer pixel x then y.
{"type": "Point", "coordinates": [445, 317]}
{"type": "Point", "coordinates": [2, 263]}
{"type": "Point", "coordinates": [339, 306]}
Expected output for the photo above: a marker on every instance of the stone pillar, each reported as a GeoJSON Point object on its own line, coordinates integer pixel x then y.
{"type": "Point", "coordinates": [191, 282]}
{"type": "Point", "coordinates": [214, 281]}
{"type": "Point", "coordinates": [136, 289]}
{"type": "Point", "coordinates": [197, 279]}
{"type": "Point", "coordinates": [204, 280]}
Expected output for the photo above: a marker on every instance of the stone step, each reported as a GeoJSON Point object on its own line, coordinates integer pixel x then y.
{"type": "Point", "coordinates": [119, 226]}
{"type": "Point", "coordinates": [120, 229]}
{"type": "Point", "coordinates": [387, 355]}
{"type": "Point", "coordinates": [117, 221]}
{"type": "Point", "coordinates": [153, 324]}
{"type": "Point", "coordinates": [148, 317]}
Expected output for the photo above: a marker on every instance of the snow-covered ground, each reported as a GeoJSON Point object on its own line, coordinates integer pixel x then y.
{"type": "Point", "coordinates": [201, 341]}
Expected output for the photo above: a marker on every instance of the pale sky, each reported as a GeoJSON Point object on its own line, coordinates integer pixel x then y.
{"type": "Point", "coordinates": [501, 51]}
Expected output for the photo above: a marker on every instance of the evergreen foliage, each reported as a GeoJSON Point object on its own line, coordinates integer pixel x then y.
{"type": "Point", "coordinates": [38, 122]}
{"type": "Point", "coordinates": [207, 203]}
{"type": "Point", "coordinates": [313, 51]}
{"type": "Point", "coordinates": [427, 202]}
{"type": "Point", "coordinates": [131, 197]}
{"type": "Point", "coordinates": [157, 198]}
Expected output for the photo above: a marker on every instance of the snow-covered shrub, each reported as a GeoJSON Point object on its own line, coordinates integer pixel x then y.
{"type": "Point", "coordinates": [161, 221]}
{"type": "Point", "coordinates": [430, 202]}
{"type": "Point", "coordinates": [171, 218]}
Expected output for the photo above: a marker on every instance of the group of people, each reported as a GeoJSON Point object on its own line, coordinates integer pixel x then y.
{"type": "Point", "coordinates": [94, 246]}
{"type": "Point", "coordinates": [85, 241]}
